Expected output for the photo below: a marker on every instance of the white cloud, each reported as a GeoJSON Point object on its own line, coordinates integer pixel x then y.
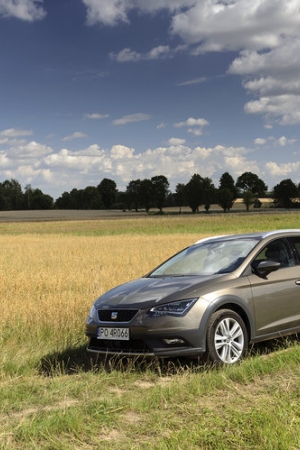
{"type": "Point", "coordinates": [30, 150]}
{"type": "Point", "coordinates": [274, 79]}
{"type": "Point", "coordinates": [176, 141]}
{"type": "Point", "coordinates": [111, 12]}
{"type": "Point", "coordinates": [55, 172]}
{"type": "Point", "coordinates": [191, 122]}
{"type": "Point", "coordinates": [194, 81]}
{"type": "Point", "coordinates": [284, 59]}
{"type": "Point", "coordinates": [195, 131]}
{"type": "Point", "coordinates": [138, 117]}
{"type": "Point", "coordinates": [92, 150]}
{"type": "Point", "coordinates": [176, 161]}
{"type": "Point", "coordinates": [265, 32]}
{"type": "Point", "coordinates": [260, 141]}
{"type": "Point", "coordinates": [75, 135]}
{"type": "Point", "coordinates": [237, 24]}
{"type": "Point", "coordinates": [238, 164]}
{"type": "Point", "coordinates": [209, 25]}
{"type": "Point", "coordinates": [14, 132]}
{"type": "Point", "coordinates": [285, 107]}
{"type": "Point", "coordinates": [81, 162]}
{"type": "Point", "coordinates": [194, 126]}
{"type": "Point", "coordinates": [284, 141]}
{"type": "Point", "coordinates": [121, 152]}
{"type": "Point", "coordinates": [28, 10]}
{"type": "Point", "coordinates": [108, 12]}
{"type": "Point", "coordinates": [282, 171]}
{"type": "Point", "coordinates": [4, 161]}
{"type": "Point", "coordinates": [159, 52]}
{"type": "Point", "coordinates": [126, 55]}
{"type": "Point", "coordinates": [96, 116]}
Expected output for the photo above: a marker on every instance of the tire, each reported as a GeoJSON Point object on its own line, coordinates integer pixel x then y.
{"type": "Point", "coordinates": [227, 337]}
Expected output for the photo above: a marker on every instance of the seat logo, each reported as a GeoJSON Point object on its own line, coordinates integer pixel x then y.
{"type": "Point", "coordinates": [114, 315]}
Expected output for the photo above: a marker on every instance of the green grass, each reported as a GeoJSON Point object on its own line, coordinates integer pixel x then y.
{"type": "Point", "coordinates": [133, 405]}
{"type": "Point", "coordinates": [55, 395]}
{"type": "Point", "coordinates": [155, 225]}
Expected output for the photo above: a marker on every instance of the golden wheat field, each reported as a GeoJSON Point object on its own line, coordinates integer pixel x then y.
{"type": "Point", "coordinates": [48, 283]}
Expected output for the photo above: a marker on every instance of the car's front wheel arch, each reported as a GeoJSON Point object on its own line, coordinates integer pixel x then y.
{"type": "Point", "coordinates": [241, 312]}
{"type": "Point", "coordinates": [227, 337]}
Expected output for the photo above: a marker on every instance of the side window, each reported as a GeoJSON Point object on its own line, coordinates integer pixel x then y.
{"type": "Point", "coordinates": [296, 241]}
{"type": "Point", "coordinates": [279, 251]}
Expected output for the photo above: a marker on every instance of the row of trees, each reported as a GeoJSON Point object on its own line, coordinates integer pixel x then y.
{"type": "Point", "coordinates": [155, 192]}
{"type": "Point", "coordinates": [13, 198]}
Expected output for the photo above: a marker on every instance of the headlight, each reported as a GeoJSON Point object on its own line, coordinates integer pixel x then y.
{"type": "Point", "coordinates": [93, 312]}
{"type": "Point", "coordinates": [179, 308]}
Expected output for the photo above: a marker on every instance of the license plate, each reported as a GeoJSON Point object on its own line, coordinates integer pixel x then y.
{"type": "Point", "coordinates": [119, 334]}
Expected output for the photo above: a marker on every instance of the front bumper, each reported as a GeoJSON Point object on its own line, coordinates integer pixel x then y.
{"type": "Point", "coordinates": [137, 347]}
{"type": "Point", "coordinates": [165, 342]}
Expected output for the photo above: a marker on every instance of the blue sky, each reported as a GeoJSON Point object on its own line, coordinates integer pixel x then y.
{"type": "Point", "coordinates": [127, 89]}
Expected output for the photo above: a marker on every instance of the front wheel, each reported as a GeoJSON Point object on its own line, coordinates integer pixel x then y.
{"type": "Point", "coordinates": [227, 337]}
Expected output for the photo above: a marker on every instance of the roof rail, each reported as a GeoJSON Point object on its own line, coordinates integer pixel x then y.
{"type": "Point", "coordinates": [288, 230]}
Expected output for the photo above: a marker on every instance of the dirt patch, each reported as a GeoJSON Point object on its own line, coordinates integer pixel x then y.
{"type": "Point", "coordinates": [36, 410]}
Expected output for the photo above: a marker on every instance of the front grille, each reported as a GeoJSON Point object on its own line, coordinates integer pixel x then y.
{"type": "Point", "coordinates": [122, 315]}
{"type": "Point", "coordinates": [133, 346]}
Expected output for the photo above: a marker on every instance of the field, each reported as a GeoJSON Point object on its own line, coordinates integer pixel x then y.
{"type": "Point", "coordinates": [54, 395]}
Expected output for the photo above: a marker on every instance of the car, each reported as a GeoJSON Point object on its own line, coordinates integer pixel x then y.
{"type": "Point", "coordinates": [213, 298]}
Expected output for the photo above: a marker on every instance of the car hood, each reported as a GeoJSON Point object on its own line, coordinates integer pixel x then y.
{"type": "Point", "coordinates": [145, 292]}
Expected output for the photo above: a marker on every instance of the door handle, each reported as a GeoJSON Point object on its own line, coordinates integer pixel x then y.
{"type": "Point", "coordinates": [297, 282]}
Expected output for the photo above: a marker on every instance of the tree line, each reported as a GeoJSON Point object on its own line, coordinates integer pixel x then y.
{"type": "Point", "coordinates": [155, 193]}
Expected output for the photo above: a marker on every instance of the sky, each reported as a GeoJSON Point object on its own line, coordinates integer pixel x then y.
{"type": "Point", "coordinates": [131, 89]}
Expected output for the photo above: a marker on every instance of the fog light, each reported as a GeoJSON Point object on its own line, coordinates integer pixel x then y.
{"type": "Point", "coordinates": [174, 341]}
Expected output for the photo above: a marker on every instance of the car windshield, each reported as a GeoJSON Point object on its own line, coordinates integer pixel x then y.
{"type": "Point", "coordinates": [207, 258]}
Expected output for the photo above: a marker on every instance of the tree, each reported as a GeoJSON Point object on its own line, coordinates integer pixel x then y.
{"type": "Point", "coordinates": [180, 195]}
{"type": "Point", "coordinates": [225, 199]}
{"type": "Point", "coordinates": [284, 193]}
{"type": "Point", "coordinates": [146, 193]}
{"type": "Point", "coordinates": [91, 198]}
{"type": "Point", "coordinates": [160, 190]}
{"type": "Point", "coordinates": [250, 182]}
{"type": "Point", "coordinates": [248, 199]}
{"type": "Point", "coordinates": [12, 194]}
{"type": "Point", "coordinates": [28, 195]}
{"type": "Point", "coordinates": [4, 201]}
{"type": "Point", "coordinates": [108, 191]}
{"type": "Point", "coordinates": [194, 192]}
{"type": "Point", "coordinates": [40, 200]}
{"type": "Point", "coordinates": [209, 191]}
{"type": "Point", "coordinates": [226, 181]}
{"type": "Point", "coordinates": [133, 194]}
{"type": "Point", "coordinates": [77, 198]}
{"type": "Point", "coordinates": [65, 201]}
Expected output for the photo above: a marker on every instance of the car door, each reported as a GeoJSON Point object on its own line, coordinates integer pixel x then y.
{"type": "Point", "coordinates": [276, 298]}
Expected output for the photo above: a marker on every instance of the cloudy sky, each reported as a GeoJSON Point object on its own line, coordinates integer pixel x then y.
{"type": "Point", "coordinates": [127, 89]}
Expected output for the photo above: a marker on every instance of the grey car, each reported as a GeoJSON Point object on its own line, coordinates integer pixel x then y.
{"type": "Point", "coordinates": [214, 297]}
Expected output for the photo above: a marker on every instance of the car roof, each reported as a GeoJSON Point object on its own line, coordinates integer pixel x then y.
{"type": "Point", "coordinates": [256, 235]}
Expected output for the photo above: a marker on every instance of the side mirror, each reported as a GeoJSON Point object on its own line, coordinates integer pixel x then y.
{"type": "Point", "coordinates": [265, 267]}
